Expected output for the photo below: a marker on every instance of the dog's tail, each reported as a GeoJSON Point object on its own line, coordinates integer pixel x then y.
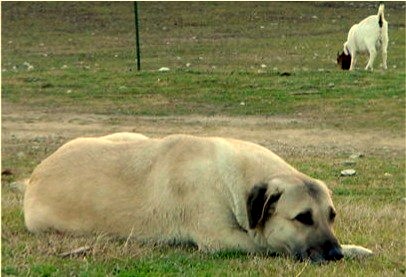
{"type": "Point", "coordinates": [20, 185]}
{"type": "Point", "coordinates": [381, 17]}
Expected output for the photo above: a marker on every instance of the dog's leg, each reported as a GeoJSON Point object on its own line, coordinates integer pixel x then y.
{"type": "Point", "coordinates": [231, 239]}
{"type": "Point", "coordinates": [372, 56]}
{"type": "Point", "coordinates": [355, 251]}
{"type": "Point", "coordinates": [384, 57]}
{"type": "Point", "coordinates": [384, 53]}
{"type": "Point", "coordinates": [353, 60]}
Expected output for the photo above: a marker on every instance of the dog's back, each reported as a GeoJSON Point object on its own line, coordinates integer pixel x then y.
{"type": "Point", "coordinates": [123, 187]}
{"type": "Point", "coordinates": [369, 35]}
{"type": "Point", "coordinates": [366, 31]}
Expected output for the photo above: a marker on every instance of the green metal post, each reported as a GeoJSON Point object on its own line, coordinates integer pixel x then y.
{"type": "Point", "coordinates": [137, 36]}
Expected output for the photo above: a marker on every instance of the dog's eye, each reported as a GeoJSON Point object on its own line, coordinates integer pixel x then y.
{"type": "Point", "coordinates": [332, 215]}
{"type": "Point", "coordinates": [305, 218]}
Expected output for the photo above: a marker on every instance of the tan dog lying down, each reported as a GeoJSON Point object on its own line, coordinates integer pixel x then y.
{"type": "Point", "coordinates": [217, 193]}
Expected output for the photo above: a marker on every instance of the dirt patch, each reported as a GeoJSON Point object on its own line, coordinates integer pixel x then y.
{"type": "Point", "coordinates": [282, 135]}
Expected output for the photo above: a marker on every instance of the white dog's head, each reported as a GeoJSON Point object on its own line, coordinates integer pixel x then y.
{"type": "Point", "coordinates": [344, 60]}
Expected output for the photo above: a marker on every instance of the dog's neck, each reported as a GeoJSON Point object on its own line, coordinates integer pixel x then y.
{"type": "Point", "coordinates": [348, 49]}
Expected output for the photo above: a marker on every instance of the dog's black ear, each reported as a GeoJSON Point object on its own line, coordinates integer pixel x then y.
{"type": "Point", "coordinates": [259, 205]}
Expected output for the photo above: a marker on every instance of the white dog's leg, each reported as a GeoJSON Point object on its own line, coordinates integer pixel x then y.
{"type": "Point", "coordinates": [384, 53]}
{"type": "Point", "coordinates": [384, 57]}
{"type": "Point", "coordinates": [372, 56]}
{"type": "Point", "coordinates": [353, 61]}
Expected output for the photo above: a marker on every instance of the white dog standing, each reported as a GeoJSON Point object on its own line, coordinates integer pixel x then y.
{"type": "Point", "coordinates": [370, 35]}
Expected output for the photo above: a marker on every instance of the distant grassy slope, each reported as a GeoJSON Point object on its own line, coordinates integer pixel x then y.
{"type": "Point", "coordinates": [233, 36]}
{"type": "Point", "coordinates": [83, 53]}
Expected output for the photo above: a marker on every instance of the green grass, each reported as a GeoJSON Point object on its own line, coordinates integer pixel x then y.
{"type": "Point", "coordinates": [225, 49]}
{"type": "Point", "coordinates": [83, 63]}
{"type": "Point", "coordinates": [373, 100]}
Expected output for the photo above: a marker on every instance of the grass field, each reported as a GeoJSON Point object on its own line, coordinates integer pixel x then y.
{"type": "Point", "coordinates": [261, 71]}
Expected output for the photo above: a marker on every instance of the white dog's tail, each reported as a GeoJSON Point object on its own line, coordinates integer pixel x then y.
{"type": "Point", "coordinates": [381, 17]}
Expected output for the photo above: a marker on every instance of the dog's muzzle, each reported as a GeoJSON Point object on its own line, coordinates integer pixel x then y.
{"type": "Point", "coordinates": [335, 254]}
{"type": "Point", "coordinates": [325, 253]}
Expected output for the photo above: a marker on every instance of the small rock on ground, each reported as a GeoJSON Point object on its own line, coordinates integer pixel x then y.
{"type": "Point", "coordinates": [348, 172]}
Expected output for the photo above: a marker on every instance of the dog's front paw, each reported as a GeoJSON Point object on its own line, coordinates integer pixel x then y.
{"type": "Point", "coordinates": [355, 251]}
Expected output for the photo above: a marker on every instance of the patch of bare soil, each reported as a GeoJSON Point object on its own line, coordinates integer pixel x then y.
{"type": "Point", "coordinates": [282, 135]}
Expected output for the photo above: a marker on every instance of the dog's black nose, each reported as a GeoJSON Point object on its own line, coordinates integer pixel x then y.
{"type": "Point", "coordinates": [334, 254]}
